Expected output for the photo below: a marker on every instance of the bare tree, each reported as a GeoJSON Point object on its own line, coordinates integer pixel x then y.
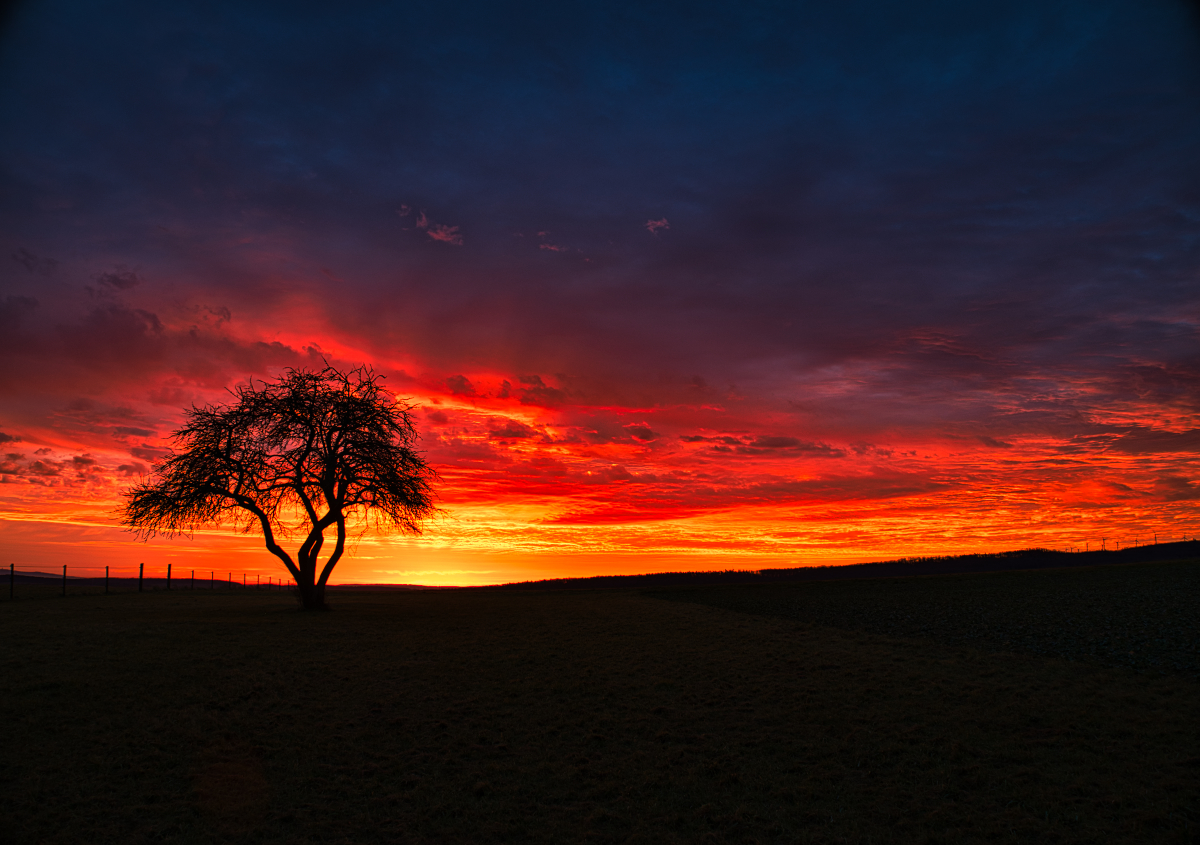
{"type": "Point", "coordinates": [294, 456]}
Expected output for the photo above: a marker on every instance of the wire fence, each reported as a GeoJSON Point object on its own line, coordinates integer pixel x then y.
{"type": "Point", "coordinates": [26, 582]}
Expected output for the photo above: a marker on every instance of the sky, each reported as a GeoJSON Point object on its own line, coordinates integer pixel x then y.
{"type": "Point", "coordinates": [669, 286]}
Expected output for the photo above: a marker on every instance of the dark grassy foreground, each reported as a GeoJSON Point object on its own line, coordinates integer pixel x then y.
{"type": "Point", "coordinates": [478, 716]}
{"type": "Point", "coordinates": [1146, 617]}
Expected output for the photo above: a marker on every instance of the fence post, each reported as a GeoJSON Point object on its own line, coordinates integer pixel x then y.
{"type": "Point", "coordinates": [212, 580]}
{"type": "Point", "coordinates": [257, 581]}
{"type": "Point", "coordinates": [168, 576]}
{"type": "Point", "coordinates": [193, 579]}
{"type": "Point", "coordinates": [106, 580]}
{"type": "Point", "coordinates": [141, 571]}
{"type": "Point", "coordinates": [12, 579]}
{"type": "Point", "coordinates": [243, 580]}
{"type": "Point", "coordinates": [230, 580]}
{"type": "Point", "coordinates": [64, 579]}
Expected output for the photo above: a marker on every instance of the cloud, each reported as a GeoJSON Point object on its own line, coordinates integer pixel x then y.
{"type": "Point", "coordinates": [1174, 488]}
{"type": "Point", "coordinates": [862, 448]}
{"type": "Point", "coordinates": [767, 444]}
{"type": "Point", "coordinates": [726, 439]}
{"type": "Point", "coordinates": [653, 226]}
{"type": "Point", "coordinates": [130, 431]}
{"type": "Point", "coordinates": [537, 392]}
{"type": "Point", "coordinates": [34, 264]}
{"type": "Point", "coordinates": [220, 313]}
{"type": "Point", "coordinates": [642, 432]}
{"type": "Point", "coordinates": [509, 429]}
{"type": "Point", "coordinates": [775, 442]}
{"type": "Point", "coordinates": [439, 232]}
{"type": "Point", "coordinates": [683, 500]}
{"type": "Point", "coordinates": [1143, 441]}
{"type": "Point", "coordinates": [86, 469]}
{"type": "Point", "coordinates": [170, 395]}
{"type": "Point", "coordinates": [115, 334]}
{"type": "Point", "coordinates": [789, 446]}
{"type": "Point", "coordinates": [119, 279]}
{"type": "Point", "coordinates": [460, 386]}
{"type": "Point", "coordinates": [45, 468]}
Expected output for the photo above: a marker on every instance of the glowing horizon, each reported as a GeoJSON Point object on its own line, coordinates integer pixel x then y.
{"type": "Point", "coordinates": [528, 497]}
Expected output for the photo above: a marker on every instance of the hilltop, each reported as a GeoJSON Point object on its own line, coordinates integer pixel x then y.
{"type": "Point", "coordinates": [945, 565]}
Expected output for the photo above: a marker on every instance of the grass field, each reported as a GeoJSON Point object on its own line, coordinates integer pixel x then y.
{"type": "Point", "coordinates": [813, 713]}
{"type": "Point", "coordinates": [1146, 617]}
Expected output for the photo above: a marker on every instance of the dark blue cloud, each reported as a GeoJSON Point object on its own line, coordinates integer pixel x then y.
{"type": "Point", "coordinates": [840, 181]}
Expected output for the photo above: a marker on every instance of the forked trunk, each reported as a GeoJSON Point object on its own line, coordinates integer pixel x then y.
{"type": "Point", "coordinates": [312, 590]}
{"type": "Point", "coordinates": [312, 596]}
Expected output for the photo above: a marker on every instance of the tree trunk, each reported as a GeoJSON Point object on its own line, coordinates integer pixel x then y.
{"type": "Point", "coordinates": [312, 596]}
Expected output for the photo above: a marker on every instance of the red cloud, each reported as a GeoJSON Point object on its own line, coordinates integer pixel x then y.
{"type": "Point", "coordinates": [440, 232]}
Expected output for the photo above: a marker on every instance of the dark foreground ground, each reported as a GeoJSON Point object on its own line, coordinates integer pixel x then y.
{"type": "Point", "coordinates": [948, 709]}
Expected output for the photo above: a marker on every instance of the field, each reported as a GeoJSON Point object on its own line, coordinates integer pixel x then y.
{"type": "Point", "coordinates": [973, 708]}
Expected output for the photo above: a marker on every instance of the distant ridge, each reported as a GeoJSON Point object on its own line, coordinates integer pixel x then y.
{"type": "Point", "coordinates": [945, 565]}
{"type": "Point", "coordinates": [941, 565]}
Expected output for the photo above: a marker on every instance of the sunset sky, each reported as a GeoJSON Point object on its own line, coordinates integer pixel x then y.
{"type": "Point", "coordinates": [671, 286]}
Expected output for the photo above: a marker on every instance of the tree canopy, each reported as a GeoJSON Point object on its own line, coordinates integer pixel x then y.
{"type": "Point", "coordinates": [306, 452]}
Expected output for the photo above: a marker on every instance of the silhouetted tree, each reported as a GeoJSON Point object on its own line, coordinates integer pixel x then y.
{"type": "Point", "coordinates": [298, 455]}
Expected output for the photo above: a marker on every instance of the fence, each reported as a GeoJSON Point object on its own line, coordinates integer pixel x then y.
{"type": "Point", "coordinates": [24, 582]}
